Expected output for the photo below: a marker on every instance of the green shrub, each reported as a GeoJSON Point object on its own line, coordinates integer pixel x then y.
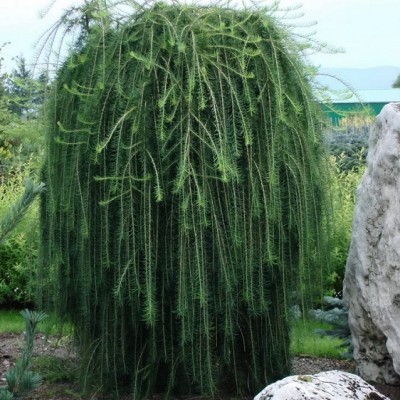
{"type": "Point", "coordinates": [344, 189]}
{"type": "Point", "coordinates": [21, 147]}
{"type": "Point", "coordinates": [349, 148]}
{"type": "Point", "coordinates": [18, 262]}
{"type": "Point", "coordinates": [19, 249]}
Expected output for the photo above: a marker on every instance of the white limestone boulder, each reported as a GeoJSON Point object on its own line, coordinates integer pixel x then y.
{"type": "Point", "coordinates": [372, 278]}
{"type": "Point", "coordinates": [330, 385]}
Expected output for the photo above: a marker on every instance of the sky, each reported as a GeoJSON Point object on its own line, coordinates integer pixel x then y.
{"type": "Point", "coordinates": [367, 30]}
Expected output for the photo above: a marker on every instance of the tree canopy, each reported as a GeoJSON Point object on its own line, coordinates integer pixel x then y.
{"type": "Point", "coordinates": [26, 93]}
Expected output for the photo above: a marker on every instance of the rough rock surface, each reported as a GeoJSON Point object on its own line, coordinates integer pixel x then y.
{"type": "Point", "coordinates": [330, 385]}
{"type": "Point", "coordinates": [372, 279]}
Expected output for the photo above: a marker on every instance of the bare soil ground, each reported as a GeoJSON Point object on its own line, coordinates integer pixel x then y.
{"type": "Point", "coordinates": [11, 347]}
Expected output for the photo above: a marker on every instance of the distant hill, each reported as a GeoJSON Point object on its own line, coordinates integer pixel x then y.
{"type": "Point", "coordinates": [359, 79]}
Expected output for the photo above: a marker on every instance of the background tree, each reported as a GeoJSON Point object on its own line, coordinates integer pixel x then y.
{"type": "Point", "coordinates": [20, 88]}
{"type": "Point", "coordinates": [22, 98]}
{"type": "Point", "coordinates": [191, 209]}
{"type": "Point", "coordinates": [41, 87]}
{"type": "Point", "coordinates": [26, 93]}
{"type": "Point", "coordinates": [4, 115]}
{"type": "Point", "coordinates": [396, 83]}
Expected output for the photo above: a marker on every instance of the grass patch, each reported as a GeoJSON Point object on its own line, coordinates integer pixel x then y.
{"type": "Point", "coordinates": [305, 341]}
{"type": "Point", "coordinates": [11, 321]}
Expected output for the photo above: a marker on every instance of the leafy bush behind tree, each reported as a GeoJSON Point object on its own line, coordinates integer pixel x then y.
{"type": "Point", "coordinates": [19, 249]}
{"type": "Point", "coordinates": [349, 148]}
{"type": "Point", "coordinates": [344, 190]}
{"type": "Point", "coordinates": [21, 152]}
{"type": "Point", "coordinates": [348, 142]}
{"type": "Point", "coordinates": [21, 148]}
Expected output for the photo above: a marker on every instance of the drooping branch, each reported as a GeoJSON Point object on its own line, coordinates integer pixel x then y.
{"type": "Point", "coordinates": [18, 210]}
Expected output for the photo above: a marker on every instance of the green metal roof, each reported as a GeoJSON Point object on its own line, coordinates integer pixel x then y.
{"type": "Point", "coordinates": [341, 104]}
{"type": "Point", "coordinates": [367, 96]}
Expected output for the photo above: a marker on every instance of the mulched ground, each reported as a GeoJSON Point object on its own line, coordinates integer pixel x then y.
{"type": "Point", "coordinates": [11, 345]}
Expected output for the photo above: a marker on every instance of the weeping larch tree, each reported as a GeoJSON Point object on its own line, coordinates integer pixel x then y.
{"type": "Point", "coordinates": [185, 203]}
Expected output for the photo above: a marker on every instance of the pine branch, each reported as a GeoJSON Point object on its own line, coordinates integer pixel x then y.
{"type": "Point", "coordinates": [18, 210]}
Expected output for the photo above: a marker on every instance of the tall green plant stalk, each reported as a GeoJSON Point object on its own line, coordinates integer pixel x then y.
{"type": "Point", "coordinates": [186, 197]}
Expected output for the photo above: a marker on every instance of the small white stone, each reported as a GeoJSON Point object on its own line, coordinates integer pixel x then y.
{"type": "Point", "coordinates": [331, 385]}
